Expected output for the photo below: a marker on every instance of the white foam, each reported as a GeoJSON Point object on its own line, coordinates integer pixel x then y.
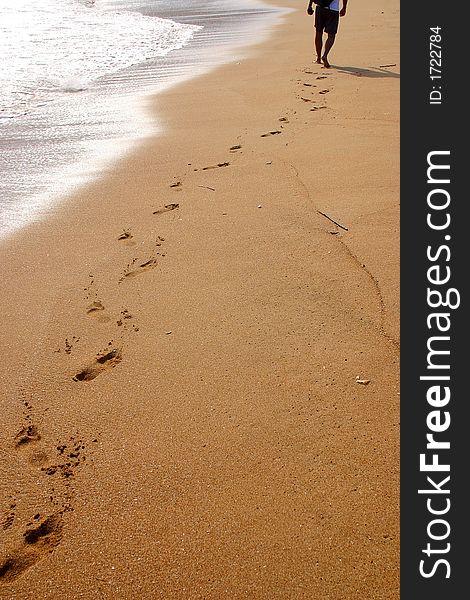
{"type": "Point", "coordinates": [71, 122]}
{"type": "Point", "coordinates": [47, 45]}
{"type": "Point", "coordinates": [75, 84]}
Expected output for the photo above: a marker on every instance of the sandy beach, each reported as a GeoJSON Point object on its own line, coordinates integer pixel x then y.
{"type": "Point", "coordinates": [200, 351]}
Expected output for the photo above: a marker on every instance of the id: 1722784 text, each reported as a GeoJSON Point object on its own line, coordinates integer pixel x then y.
{"type": "Point", "coordinates": [435, 64]}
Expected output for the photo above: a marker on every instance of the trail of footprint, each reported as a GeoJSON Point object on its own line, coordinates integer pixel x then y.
{"type": "Point", "coordinates": [44, 532]}
{"type": "Point", "coordinates": [37, 542]}
{"type": "Point", "coordinates": [324, 92]}
{"type": "Point", "coordinates": [99, 365]}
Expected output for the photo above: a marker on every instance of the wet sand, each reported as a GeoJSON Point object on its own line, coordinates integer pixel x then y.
{"type": "Point", "coordinates": [200, 351]}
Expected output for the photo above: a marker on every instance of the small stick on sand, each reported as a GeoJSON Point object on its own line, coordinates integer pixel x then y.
{"type": "Point", "coordinates": [332, 220]}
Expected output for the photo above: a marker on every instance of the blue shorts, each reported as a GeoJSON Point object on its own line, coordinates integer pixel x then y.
{"type": "Point", "coordinates": [326, 20]}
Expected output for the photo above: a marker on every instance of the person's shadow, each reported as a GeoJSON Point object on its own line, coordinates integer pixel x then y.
{"type": "Point", "coordinates": [372, 72]}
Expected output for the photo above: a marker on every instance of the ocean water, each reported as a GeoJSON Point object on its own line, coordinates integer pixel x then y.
{"type": "Point", "coordinates": [75, 77]}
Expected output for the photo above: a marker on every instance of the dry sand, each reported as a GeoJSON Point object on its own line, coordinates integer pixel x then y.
{"type": "Point", "coordinates": [181, 412]}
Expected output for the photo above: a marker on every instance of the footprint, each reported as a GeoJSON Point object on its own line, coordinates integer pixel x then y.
{"type": "Point", "coordinates": [94, 307]}
{"type": "Point", "coordinates": [127, 238]}
{"type": "Point", "coordinates": [306, 99]}
{"type": "Point", "coordinates": [102, 363]}
{"type": "Point", "coordinates": [27, 435]}
{"type": "Point", "coordinates": [324, 92]}
{"type": "Point", "coordinates": [90, 289]}
{"type": "Point", "coordinates": [125, 235]}
{"type": "Point", "coordinates": [176, 184]}
{"type": "Point", "coordinates": [166, 208]}
{"type": "Point", "coordinates": [69, 344]}
{"type": "Point", "coordinates": [235, 148]}
{"type": "Point", "coordinates": [10, 517]}
{"type": "Point", "coordinates": [43, 533]}
{"type": "Point", "coordinates": [37, 543]}
{"type": "Point", "coordinates": [322, 77]}
{"type": "Point", "coordinates": [224, 164]}
{"type": "Point", "coordinates": [50, 528]}
{"type": "Point", "coordinates": [271, 133]}
{"type": "Point", "coordinates": [124, 315]}
{"type": "Point", "coordinates": [38, 458]}
{"type": "Point", "coordinates": [70, 459]}
{"type": "Point", "coordinates": [133, 271]}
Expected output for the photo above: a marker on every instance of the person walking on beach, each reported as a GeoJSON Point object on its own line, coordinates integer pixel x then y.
{"type": "Point", "coordinates": [327, 16]}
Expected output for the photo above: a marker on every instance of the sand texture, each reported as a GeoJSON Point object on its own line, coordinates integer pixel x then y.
{"type": "Point", "coordinates": [200, 351]}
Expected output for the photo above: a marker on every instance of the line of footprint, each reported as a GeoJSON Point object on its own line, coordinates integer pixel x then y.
{"type": "Point", "coordinates": [44, 532]}
{"type": "Point", "coordinates": [308, 89]}
{"type": "Point", "coordinates": [61, 463]}
{"type": "Point", "coordinates": [112, 355]}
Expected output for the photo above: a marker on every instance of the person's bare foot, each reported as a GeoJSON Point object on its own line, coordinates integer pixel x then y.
{"type": "Point", "coordinates": [326, 64]}
{"type": "Point", "coordinates": [318, 61]}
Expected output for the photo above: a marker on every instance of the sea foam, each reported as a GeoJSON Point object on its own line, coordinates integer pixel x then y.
{"type": "Point", "coordinates": [76, 77]}
{"type": "Point", "coordinates": [47, 45]}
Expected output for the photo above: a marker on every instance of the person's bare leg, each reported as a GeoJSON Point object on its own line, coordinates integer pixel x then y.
{"type": "Point", "coordinates": [318, 44]}
{"type": "Point", "coordinates": [330, 40]}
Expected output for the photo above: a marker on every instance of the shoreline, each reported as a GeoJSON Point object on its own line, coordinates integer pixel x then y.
{"type": "Point", "coordinates": [126, 128]}
{"type": "Point", "coordinates": [225, 446]}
